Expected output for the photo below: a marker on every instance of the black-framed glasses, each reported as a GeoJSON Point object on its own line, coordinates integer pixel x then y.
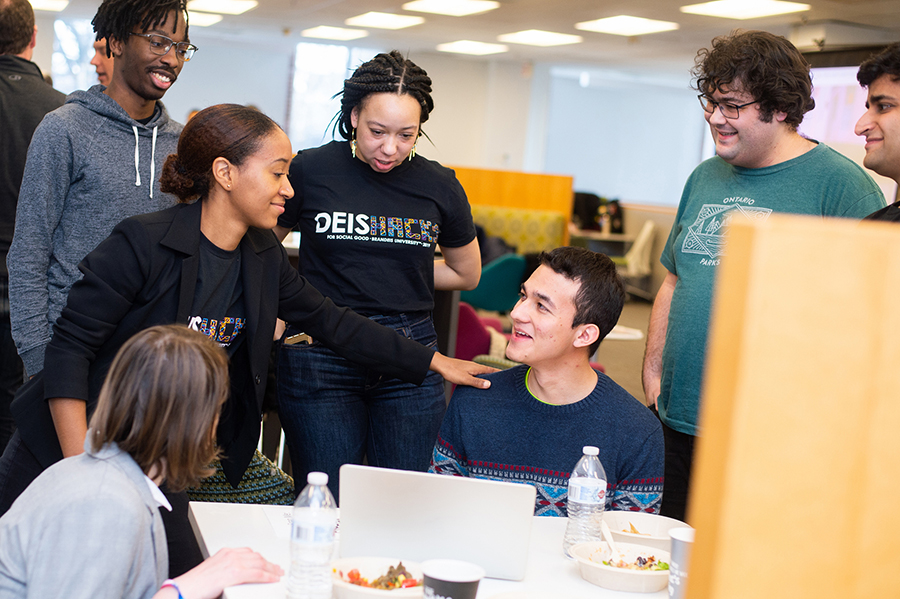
{"type": "Point", "coordinates": [728, 110]}
{"type": "Point", "coordinates": [160, 45]}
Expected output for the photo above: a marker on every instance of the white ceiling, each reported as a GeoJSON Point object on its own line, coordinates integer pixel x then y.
{"type": "Point", "coordinates": [279, 22]}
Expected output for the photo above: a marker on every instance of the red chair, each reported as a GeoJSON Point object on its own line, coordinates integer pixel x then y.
{"type": "Point", "coordinates": [472, 336]}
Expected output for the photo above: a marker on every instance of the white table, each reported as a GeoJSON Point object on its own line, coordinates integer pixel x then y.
{"type": "Point", "coordinates": [266, 529]}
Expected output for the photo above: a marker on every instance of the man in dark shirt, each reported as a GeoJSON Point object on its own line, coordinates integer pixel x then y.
{"type": "Point", "coordinates": [880, 124]}
{"type": "Point", "coordinates": [24, 100]}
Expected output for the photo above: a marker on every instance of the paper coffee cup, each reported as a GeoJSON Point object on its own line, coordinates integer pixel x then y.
{"type": "Point", "coordinates": [682, 541]}
{"type": "Point", "coordinates": [450, 579]}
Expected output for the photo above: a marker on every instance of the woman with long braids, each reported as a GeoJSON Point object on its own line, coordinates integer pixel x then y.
{"type": "Point", "coordinates": [213, 264]}
{"type": "Point", "coordinates": [371, 211]}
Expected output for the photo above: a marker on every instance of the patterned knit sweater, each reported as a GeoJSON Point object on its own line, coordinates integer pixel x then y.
{"type": "Point", "coordinates": [505, 433]}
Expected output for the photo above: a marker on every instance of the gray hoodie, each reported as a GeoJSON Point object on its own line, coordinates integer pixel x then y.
{"type": "Point", "coordinates": [89, 166]}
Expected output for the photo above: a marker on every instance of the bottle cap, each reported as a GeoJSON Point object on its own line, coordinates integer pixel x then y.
{"type": "Point", "coordinates": [317, 478]}
{"type": "Point", "coordinates": [590, 450]}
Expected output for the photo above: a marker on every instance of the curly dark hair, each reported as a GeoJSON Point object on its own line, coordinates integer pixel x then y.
{"type": "Point", "coordinates": [886, 62]}
{"type": "Point", "coordinates": [16, 25]}
{"type": "Point", "coordinates": [766, 66]}
{"type": "Point", "coordinates": [601, 293]}
{"type": "Point", "coordinates": [118, 18]}
{"type": "Point", "coordinates": [230, 131]}
{"type": "Point", "coordinates": [390, 73]}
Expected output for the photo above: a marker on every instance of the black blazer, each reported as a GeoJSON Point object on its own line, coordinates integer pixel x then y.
{"type": "Point", "coordinates": [145, 274]}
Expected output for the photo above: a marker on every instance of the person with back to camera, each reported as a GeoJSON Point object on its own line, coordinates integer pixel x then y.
{"type": "Point", "coordinates": [215, 266]}
{"type": "Point", "coordinates": [90, 526]}
{"type": "Point", "coordinates": [371, 212]}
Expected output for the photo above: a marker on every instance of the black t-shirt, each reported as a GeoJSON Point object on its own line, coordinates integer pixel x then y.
{"type": "Point", "coordinates": [367, 238]}
{"type": "Point", "coordinates": [218, 308]}
{"type": "Point", "coordinates": [889, 213]}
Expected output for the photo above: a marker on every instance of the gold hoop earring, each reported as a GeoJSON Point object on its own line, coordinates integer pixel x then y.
{"type": "Point", "coordinates": [353, 143]}
{"type": "Point", "coordinates": [412, 153]}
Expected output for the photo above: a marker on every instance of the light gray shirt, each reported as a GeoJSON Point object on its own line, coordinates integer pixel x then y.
{"type": "Point", "coordinates": [87, 528]}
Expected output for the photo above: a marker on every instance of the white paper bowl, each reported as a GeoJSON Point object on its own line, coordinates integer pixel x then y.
{"type": "Point", "coordinates": [620, 579]}
{"type": "Point", "coordinates": [371, 568]}
{"type": "Point", "coordinates": [655, 528]}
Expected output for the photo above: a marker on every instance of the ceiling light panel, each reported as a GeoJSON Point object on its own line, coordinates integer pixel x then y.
{"type": "Point", "coordinates": [383, 20]}
{"type": "Point", "coordinates": [204, 19]}
{"type": "Point", "coordinates": [470, 47]}
{"type": "Point", "coordinates": [49, 5]}
{"type": "Point", "coordinates": [536, 37]}
{"type": "Point", "coordinates": [744, 9]}
{"type": "Point", "coordinates": [228, 7]}
{"type": "Point", "coordinates": [627, 25]}
{"type": "Point", "coordinates": [453, 8]}
{"type": "Point", "coordinates": [334, 33]}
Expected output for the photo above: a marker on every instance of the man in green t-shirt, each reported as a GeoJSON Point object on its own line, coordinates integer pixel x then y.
{"type": "Point", "coordinates": [880, 124]}
{"type": "Point", "coordinates": [754, 89]}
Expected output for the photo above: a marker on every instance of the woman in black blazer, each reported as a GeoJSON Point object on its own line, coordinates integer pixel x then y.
{"type": "Point", "coordinates": [214, 265]}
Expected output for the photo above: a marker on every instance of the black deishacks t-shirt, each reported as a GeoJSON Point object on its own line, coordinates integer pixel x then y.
{"type": "Point", "coordinates": [218, 308]}
{"type": "Point", "coordinates": [368, 238]}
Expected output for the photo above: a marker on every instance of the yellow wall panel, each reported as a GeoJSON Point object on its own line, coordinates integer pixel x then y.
{"type": "Point", "coordinates": [796, 483]}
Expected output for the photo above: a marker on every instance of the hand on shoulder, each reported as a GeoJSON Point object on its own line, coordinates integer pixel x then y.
{"type": "Point", "coordinates": [461, 372]}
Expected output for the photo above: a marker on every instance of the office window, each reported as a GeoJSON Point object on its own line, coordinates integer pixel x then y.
{"type": "Point", "coordinates": [319, 73]}
{"type": "Point", "coordinates": [72, 52]}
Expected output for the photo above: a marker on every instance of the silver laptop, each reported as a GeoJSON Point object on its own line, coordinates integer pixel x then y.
{"type": "Point", "coordinates": [419, 516]}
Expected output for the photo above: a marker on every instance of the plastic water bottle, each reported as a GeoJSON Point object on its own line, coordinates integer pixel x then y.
{"type": "Point", "coordinates": [312, 540]}
{"type": "Point", "coordinates": [587, 500]}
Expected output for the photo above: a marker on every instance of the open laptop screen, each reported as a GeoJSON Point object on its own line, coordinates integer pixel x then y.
{"type": "Point", "coordinates": [419, 516]}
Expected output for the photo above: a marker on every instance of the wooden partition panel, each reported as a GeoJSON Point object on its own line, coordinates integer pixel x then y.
{"type": "Point", "coordinates": [513, 189]}
{"type": "Point", "coordinates": [796, 481]}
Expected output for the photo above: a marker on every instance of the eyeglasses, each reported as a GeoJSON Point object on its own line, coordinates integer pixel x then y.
{"type": "Point", "coordinates": [160, 45]}
{"type": "Point", "coordinates": [728, 110]}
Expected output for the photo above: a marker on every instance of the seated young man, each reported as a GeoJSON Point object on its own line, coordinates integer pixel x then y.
{"type": "Point", "coordinates": [533, 422]}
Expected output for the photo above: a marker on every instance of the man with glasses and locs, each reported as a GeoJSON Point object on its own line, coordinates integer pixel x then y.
{"type": "Point", "coordinates": [754, 89]}
{"type": "Point", "coordinates": [91, 163]}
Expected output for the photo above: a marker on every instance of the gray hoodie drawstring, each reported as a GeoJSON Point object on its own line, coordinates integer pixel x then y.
{"type": "Point", "coordinates": [137, 159]}
{"type": "Point", "coordinates": [153, 161]}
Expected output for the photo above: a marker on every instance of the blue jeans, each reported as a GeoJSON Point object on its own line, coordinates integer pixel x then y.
{"type": "Point", "coordinates": [334, 412]}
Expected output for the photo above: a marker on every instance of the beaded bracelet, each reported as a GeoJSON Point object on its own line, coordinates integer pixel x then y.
{"type": "Point", "coordinates": [171, 583]}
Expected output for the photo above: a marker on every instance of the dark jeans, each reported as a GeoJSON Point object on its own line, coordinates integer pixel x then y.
{"type": "Point", "coordinates": [11, 370]}
{"type": "Point", "coordinates": [18, 467]}
{"type": "Point", "coordinates": [334, 412]}
{"type": "Point", "coordinates": [679, 463]}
